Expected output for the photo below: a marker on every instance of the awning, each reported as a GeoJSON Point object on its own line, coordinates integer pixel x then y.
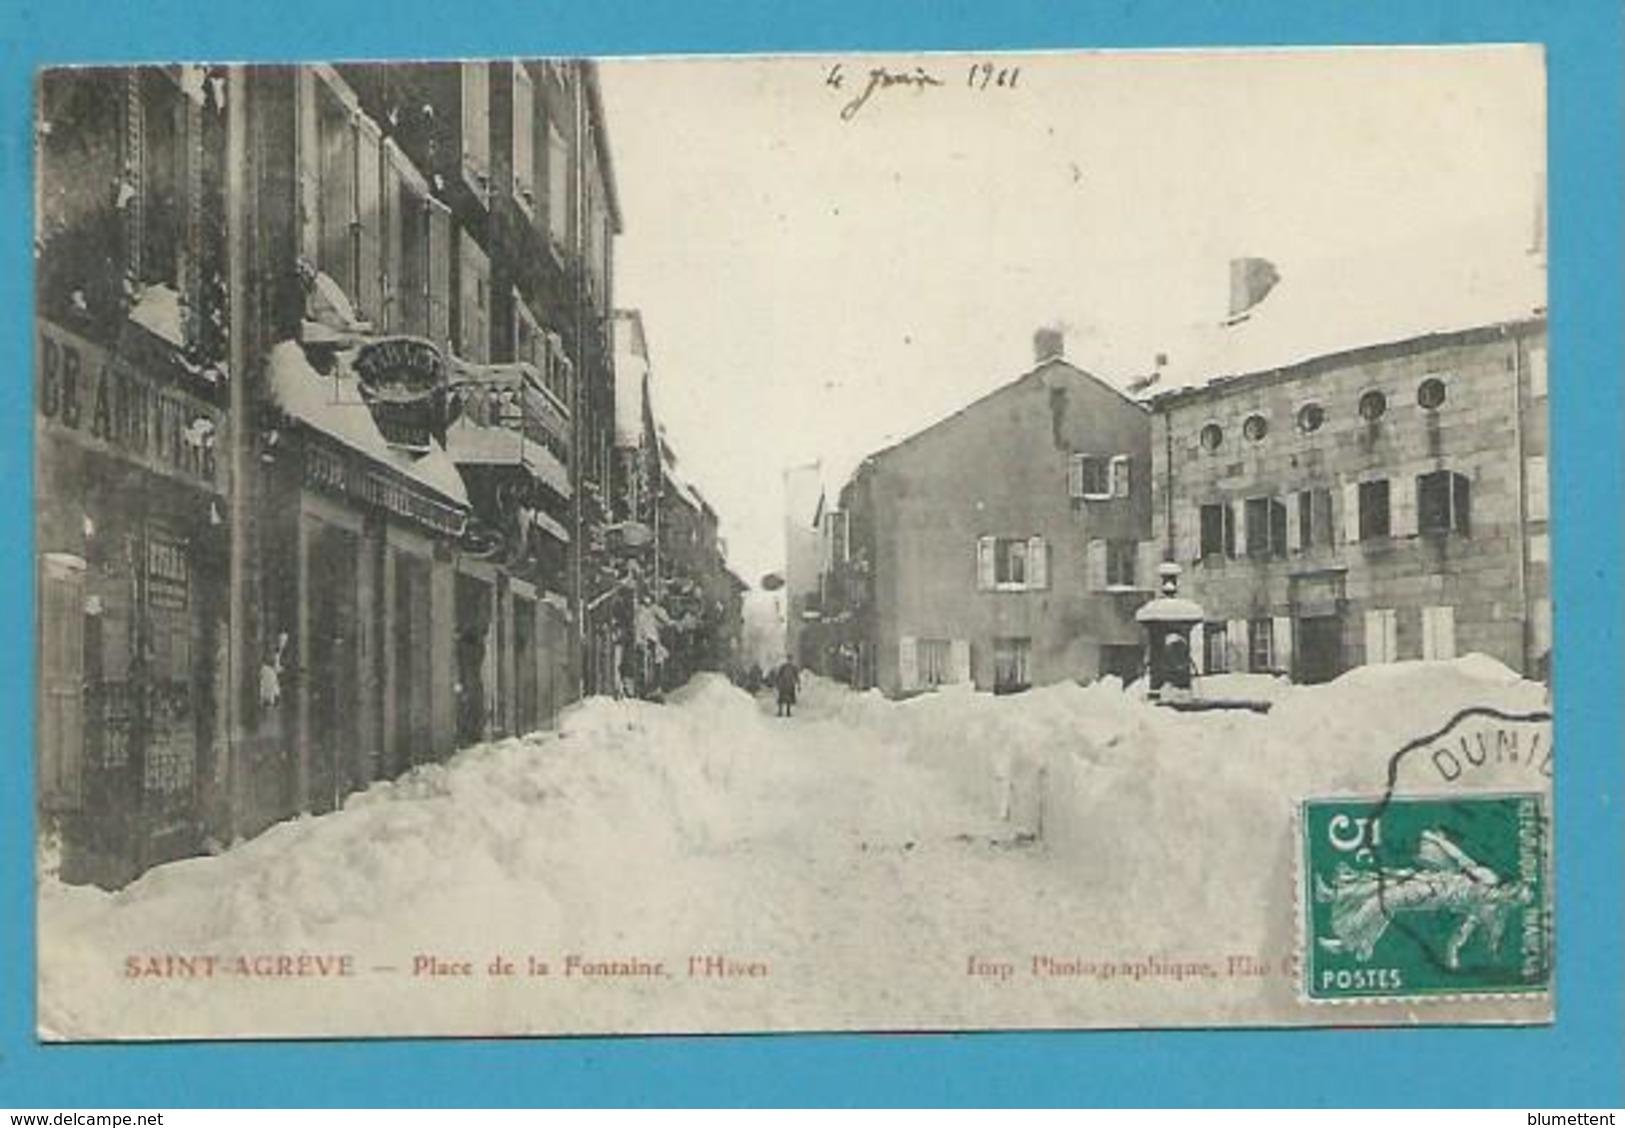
{"type": "Point", "coordinates": [471, 444]}
{"type": "Point", "coordinates": [548, 525]}
{"type": "Point", "coordinates": [333, 405]}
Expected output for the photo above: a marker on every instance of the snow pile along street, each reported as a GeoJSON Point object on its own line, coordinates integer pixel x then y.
{"type": "Point", "coordinates": [1069, 856]}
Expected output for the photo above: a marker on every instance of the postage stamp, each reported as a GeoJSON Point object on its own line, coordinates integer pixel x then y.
{"type": "Point", "coordinates": [1441, 886]}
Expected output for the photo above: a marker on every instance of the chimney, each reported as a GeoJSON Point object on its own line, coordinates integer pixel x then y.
{"type": "Point", "coordinates": [1048, 344]}
{"type": "Point", "coordinates": [1250, 280]}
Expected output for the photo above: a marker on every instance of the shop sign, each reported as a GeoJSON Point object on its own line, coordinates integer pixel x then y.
{"type": "Point", "coordinates": [352, 476]}
{"type": "Point", "coordinates": [105, 403]}
{"type": "Point", "coordinates": [399, 377]}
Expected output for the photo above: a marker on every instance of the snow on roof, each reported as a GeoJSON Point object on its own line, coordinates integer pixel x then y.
{"type": "Point", "coordinates": [548, 524]}
{"type": "Point", "coordinates": [472, 444]}
{"type": "Point", "coordinates": [157, 309]}
{"type": "Point", "coordinates": [1477, 275]}
{"type": "Point", "coordinates": [631, 371]}
{"type": "Point", "coordinates": [333, 406]}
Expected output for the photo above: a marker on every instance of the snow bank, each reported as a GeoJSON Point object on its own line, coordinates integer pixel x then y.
{"type": "Point", "coordinates": [863, 850]}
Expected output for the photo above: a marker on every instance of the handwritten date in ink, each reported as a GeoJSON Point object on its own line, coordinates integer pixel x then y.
{"type": "Point", "coordinates": [979, 77]}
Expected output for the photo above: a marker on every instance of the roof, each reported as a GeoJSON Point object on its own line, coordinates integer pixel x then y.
{"type": "Point", "coordinates": [1474, 276]}
{"type": "Point", "coordinates": [333, 406]}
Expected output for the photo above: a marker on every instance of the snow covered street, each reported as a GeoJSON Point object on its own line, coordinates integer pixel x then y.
{"type": "Point", "coordinates": [1067, 857]}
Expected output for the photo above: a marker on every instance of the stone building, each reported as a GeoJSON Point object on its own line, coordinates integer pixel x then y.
{"type": "Point", "coordinates": [1352, 465]}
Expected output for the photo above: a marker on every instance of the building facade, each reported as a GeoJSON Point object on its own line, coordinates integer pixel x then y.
{"type": "Point", "coordinates": [1377, 504]}
{"type": "Point", "coordinates": [324, 416]}
{"type": "Point", "coordinates": [1007, 546]}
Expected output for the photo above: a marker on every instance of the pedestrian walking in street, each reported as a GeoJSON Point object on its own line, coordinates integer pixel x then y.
{"type": "Point", "coordinates": [787, 680]}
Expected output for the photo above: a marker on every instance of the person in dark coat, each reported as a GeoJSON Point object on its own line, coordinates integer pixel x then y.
{"type": "Point", "coordinates": [787, 680]}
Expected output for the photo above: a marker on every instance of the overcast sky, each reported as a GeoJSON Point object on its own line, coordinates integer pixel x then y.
{"type": "Point", "coordinates": [815, 287]}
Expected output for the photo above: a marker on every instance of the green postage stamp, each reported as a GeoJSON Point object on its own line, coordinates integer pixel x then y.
{"type": "Point", "coordinates": [1425, 897]}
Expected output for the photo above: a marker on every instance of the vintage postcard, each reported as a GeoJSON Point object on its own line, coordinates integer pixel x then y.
{"type": "Point", "coordinates": [945, 542]}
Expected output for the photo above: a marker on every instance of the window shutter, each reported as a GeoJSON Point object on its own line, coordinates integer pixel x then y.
{"type": "Point", "coordinates": [1402, 500]}
{"type": "Point", "coordinates": [1439, 633]}
{"type": "Point", "coordinates": [1374, 638]}
{"type": "Point", "coordinates": [1199, 648]}
{"type": "Point", "coordinates": [1351, 512]}
{"type": "Point", "coordinates": [1295, 503]}
{"type": "Point", "coordinates": [1120, 476]}
{"type": "Point", "coordinates": [1037, 564]}
{"type": "Point", "coordinates": [1240, 527]}
{"type": "Point", "coordinates": [1281, 636]}
{"type": "Point", "coordinates": [1537, 372]}
{"type": "Point", "coordinates": [1536, 492]}
{"type": "Point", "coordinates": [310, 169]}
{"type": "Point", "coordinates": [959, 661]}
{"type": "Point", "coordinates": [1074, 476]}
{"type": "Point", "coordinates": [1188, 533]}
{"type": "Point", "coordinates": [908, 662]}
{"type": "Point", "coordinates": [984, 563]}
{"type": "Point", "coordinates": [1094, 561]}
{"type": "Point", "coordinates": [369, 227]}
{"type": "Point", "coordinates": [1145, 566]}
{"type": "Point", "coordinates": [1235, 640]}
{"type": "Point", "coordinates": [439, 274]}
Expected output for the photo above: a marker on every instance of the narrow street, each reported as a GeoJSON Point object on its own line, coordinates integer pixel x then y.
{"type": "Point", "coordinates": [703, 864]}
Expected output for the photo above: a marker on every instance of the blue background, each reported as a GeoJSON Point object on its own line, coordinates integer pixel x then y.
{"type": "Point", "coordinates": [1578, 1061]}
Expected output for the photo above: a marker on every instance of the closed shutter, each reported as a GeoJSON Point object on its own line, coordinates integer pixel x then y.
{"type": "Point", "coordinates": [1120, 476]}
{"type": "Point", "coordinates": [1188, 533]}
{"type": "Point", "coordinates": [1199, 648]}
{"type": "Point", "coordinates": [1402, 497]}
{"type": "Point", "coordinates": [391, 249]}
{"type": "Point", "coordinates": [310, 170]}
{"type": "Point", "coordinates": [439, 275]}
{"type": "Point", "coordinates": [1295, 503]}
{"type": "Point", "coordinates": [984, 563]}
{"type": "Point", "coordinates": [1381, 636]}
{"type": "Point", "coordinates": [1281, 636]}
{"type": "Point", "coordinates": [959, 661]}
{"type": "Point", "coordinates": [1536, 492]}
{"type": "Point", "coordinates": [524, 137]}
{"type": "Point", "coordinates": [1439, 633]}
{"type": "Point", "coordinates": [1074, 476]}
{"type": "Point", "coordinates": [908, 662]}
{"type": "Point", "coordinates": [336, 135]}
{"type": "Point", "coordinates": [1145, 567]}
{"type": "Point", "coordinates": [1351, 512]}
{"type": "Point", "coordinates": [369, 227]}
{"type": "Point", "coordinates": [1239, 526]}
{"type": "Point", "coordinates": [1037, 564]}
{"type": "Point", "coordinates": [1095, 565]}
{"type": "Point", "coordinates": [1235, 639]}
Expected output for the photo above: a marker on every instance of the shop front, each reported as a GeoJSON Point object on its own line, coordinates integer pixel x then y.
{"type": "Point", "coordinates": [133, 642]}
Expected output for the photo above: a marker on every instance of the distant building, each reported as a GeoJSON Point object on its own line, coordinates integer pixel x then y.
{"type": "Point", "coordinates": [803, 555]}
{"type": "Point", "coordinates": [1007, 546]}
{"type": "Point", "coordinates": [1352, 466]}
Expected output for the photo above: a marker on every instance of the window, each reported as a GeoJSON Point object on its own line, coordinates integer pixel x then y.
{"type": "Point", "coordinates": [1212, 437]}
{"type": "Point", "coordinates": [524, 138]}
{"type": "Point", "coordinates": [1218, 531]}
{"type": "Point", "coordinates": [1012, 564]}
{"type": "Point", "coordinates": [1091, 476]}
{"type": "Point", "coordinates": [1381, 636]}
{"type": "Point", "coordinates": [1215, 648]}
{"type": "Point", "coordinates": [1012, 664]}
{"type": "Point", "coordinates": [476, 79]}
{"type": "Point", "coordinates": [835, 537]}
{"type": "Point", "coordinates": [1314, 518]}
{"type": "Point", "coordinates": [1261, 646]}
{"type": "Point", "coordinates": [1310, 418]}
{"type": "Point", "coordinates": [1374, 517]}
{"type": "Point", "coordinates": [560, 370]}
{"type": "Point", "coordinates": [1254, 428]}
{"type": "Point", "coordinates": [163, 179]}
{"type": "Point", "coordinates": [1430, 393]}
{"type": "Point", "coordinates": [1120, 563]}
{"type": "Point", "coordinates": [1438, 633]}
{"type": "Point", "coordinates": [336, 169]}
{"type": "Point", "coordinates": [1266, 527]}
{"type": "Point", "coordinates": [1373, 406]}
{"type": "Point", "coordinates": [935, 661]}
{"type": "Point", "coordinates": [558, 180]}
{"type": "Point", "coordinates": [1442, 502]}
{"type": "Point", "coordinates": [474, 303]}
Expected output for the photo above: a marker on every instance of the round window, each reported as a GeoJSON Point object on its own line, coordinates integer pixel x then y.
{"type": "Point", "coordinates": [1212, 437]}
{"type": "Point", "coordinates": [1255, 428]}
{"type": "Point", "coordinates": [1373, 406]}
{"type": "Point", "coordinates": [1430, 393]}
{"type": "Point", "coordinates": [1310, 417]}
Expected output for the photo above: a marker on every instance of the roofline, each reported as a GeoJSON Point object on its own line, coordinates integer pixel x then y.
{"type": "Point", "coordinates": [1299, 368]}
{"type": "Point", "coordinates": [1029, 374]}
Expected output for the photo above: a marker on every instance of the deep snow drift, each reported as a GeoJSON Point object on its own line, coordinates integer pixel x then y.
{"type": "Point", "coordinates": [705, 866]}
